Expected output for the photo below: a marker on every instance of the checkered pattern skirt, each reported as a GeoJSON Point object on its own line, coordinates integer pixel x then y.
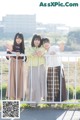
{"type": "Point", "coordinates": [53, 84]}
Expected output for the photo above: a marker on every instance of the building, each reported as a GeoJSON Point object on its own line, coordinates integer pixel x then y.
{"type": "Point", "coordinates": [1, 30]}
{"type": "Point", "coordinates": [19, 23]}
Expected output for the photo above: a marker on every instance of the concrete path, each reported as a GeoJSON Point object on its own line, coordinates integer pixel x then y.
{"type": "Point", "coordinates": [49, 114]}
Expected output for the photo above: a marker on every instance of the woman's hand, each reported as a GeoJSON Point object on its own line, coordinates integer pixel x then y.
{"type": "Point", "coordinates": [9, 47]}
{"type": "Point", "coordinates": [17, 54]}
{"type": "Point", "coordinates": [39, 53]}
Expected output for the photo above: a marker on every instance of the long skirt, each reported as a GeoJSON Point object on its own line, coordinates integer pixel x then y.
{"type": "Point", "coordinates": [15, 82]}
{"type": "Point", "coordinates": [55, 84]}
{"type": "Point", "coordinates": [36, 83]}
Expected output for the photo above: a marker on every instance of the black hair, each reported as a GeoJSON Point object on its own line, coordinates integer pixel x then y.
{"type": "Point", "coordinates": [19, 35]}
{"type": "Point", "coordinates": [36, 37]}
{"type": "Point", "coordinates": [45, 40]}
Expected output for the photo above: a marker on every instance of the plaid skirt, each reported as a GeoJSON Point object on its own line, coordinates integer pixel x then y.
{"type": "Point", "coordinates": [54, 84]}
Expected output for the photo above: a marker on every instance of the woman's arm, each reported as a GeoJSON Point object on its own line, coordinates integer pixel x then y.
{"type": "Point", "coordinates": [9, 48]}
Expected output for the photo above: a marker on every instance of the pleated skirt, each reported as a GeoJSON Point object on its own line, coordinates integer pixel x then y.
{"type": "Point", "coordinates": [36, 83]}
{"type": "Point", "coordinates": [15, 81]}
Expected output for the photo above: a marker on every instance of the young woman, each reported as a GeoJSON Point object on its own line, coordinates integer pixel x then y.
{"type": "Point", "coordinates": [15, 82]}
{"type": "Point", "coordinates": [55, 76]}
{"type": "Point", "coordinates": [36, 70]}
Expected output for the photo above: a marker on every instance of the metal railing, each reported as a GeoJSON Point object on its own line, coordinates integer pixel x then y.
{"type": "Point", "coordinates": [71, 63]}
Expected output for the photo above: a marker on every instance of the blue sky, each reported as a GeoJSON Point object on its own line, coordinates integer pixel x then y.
{"type": "Point", "coordinates": [64, 15]}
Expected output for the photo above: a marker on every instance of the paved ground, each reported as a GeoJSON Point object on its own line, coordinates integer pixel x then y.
{"type": "Point", "coordinates": [49, 114]}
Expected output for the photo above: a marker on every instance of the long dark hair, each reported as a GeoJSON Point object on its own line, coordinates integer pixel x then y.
{"type": "Point", "coordinates": [38, 37]}
{"type": "Point", "coordinates": [19, 35]}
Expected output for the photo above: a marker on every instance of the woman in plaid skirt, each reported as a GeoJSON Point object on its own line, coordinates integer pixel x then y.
{"type": "Point", "coordinates": [56, 88]}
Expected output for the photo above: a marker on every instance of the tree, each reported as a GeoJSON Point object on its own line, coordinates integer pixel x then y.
{"type": "Point", "coordinates": [73, 37]}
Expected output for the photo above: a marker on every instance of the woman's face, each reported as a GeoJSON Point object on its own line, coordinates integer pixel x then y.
{"type": "Point", "coordinates": [36, 42]}
{"type": "Point", "coordinates": [18, 40]}
{"type": "Point", "coordinates": [46, 45]}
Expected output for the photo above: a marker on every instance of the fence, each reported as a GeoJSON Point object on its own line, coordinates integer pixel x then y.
{"type": "Point", "coordinates": [71, 67]}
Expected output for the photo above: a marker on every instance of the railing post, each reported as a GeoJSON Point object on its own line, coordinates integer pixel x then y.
{"type": "Point", "coordinates": [1, 78]}
{"type": "Point", "coordinates": [75, 78]}
{"type": "Point", "coordinates": [31, 82]}
{"type": "Point", "coordinates": [9, 80]}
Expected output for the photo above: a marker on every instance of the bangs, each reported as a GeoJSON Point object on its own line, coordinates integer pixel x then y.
{"type": "Point", "coordinates": [37, 38]}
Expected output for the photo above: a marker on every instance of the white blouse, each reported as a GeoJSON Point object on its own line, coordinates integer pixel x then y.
{"type": "Point", "coordinates": [53, 58]}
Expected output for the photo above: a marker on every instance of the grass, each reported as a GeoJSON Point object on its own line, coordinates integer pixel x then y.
{"type": "Point", "coordinates": [72, 105]}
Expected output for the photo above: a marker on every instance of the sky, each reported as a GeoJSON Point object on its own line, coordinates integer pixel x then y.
{"type": "Point", "coordinates": [69, 16]}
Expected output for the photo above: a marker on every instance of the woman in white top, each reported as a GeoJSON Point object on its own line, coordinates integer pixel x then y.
{"type": "Point", "coordinates": [55, 78]}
